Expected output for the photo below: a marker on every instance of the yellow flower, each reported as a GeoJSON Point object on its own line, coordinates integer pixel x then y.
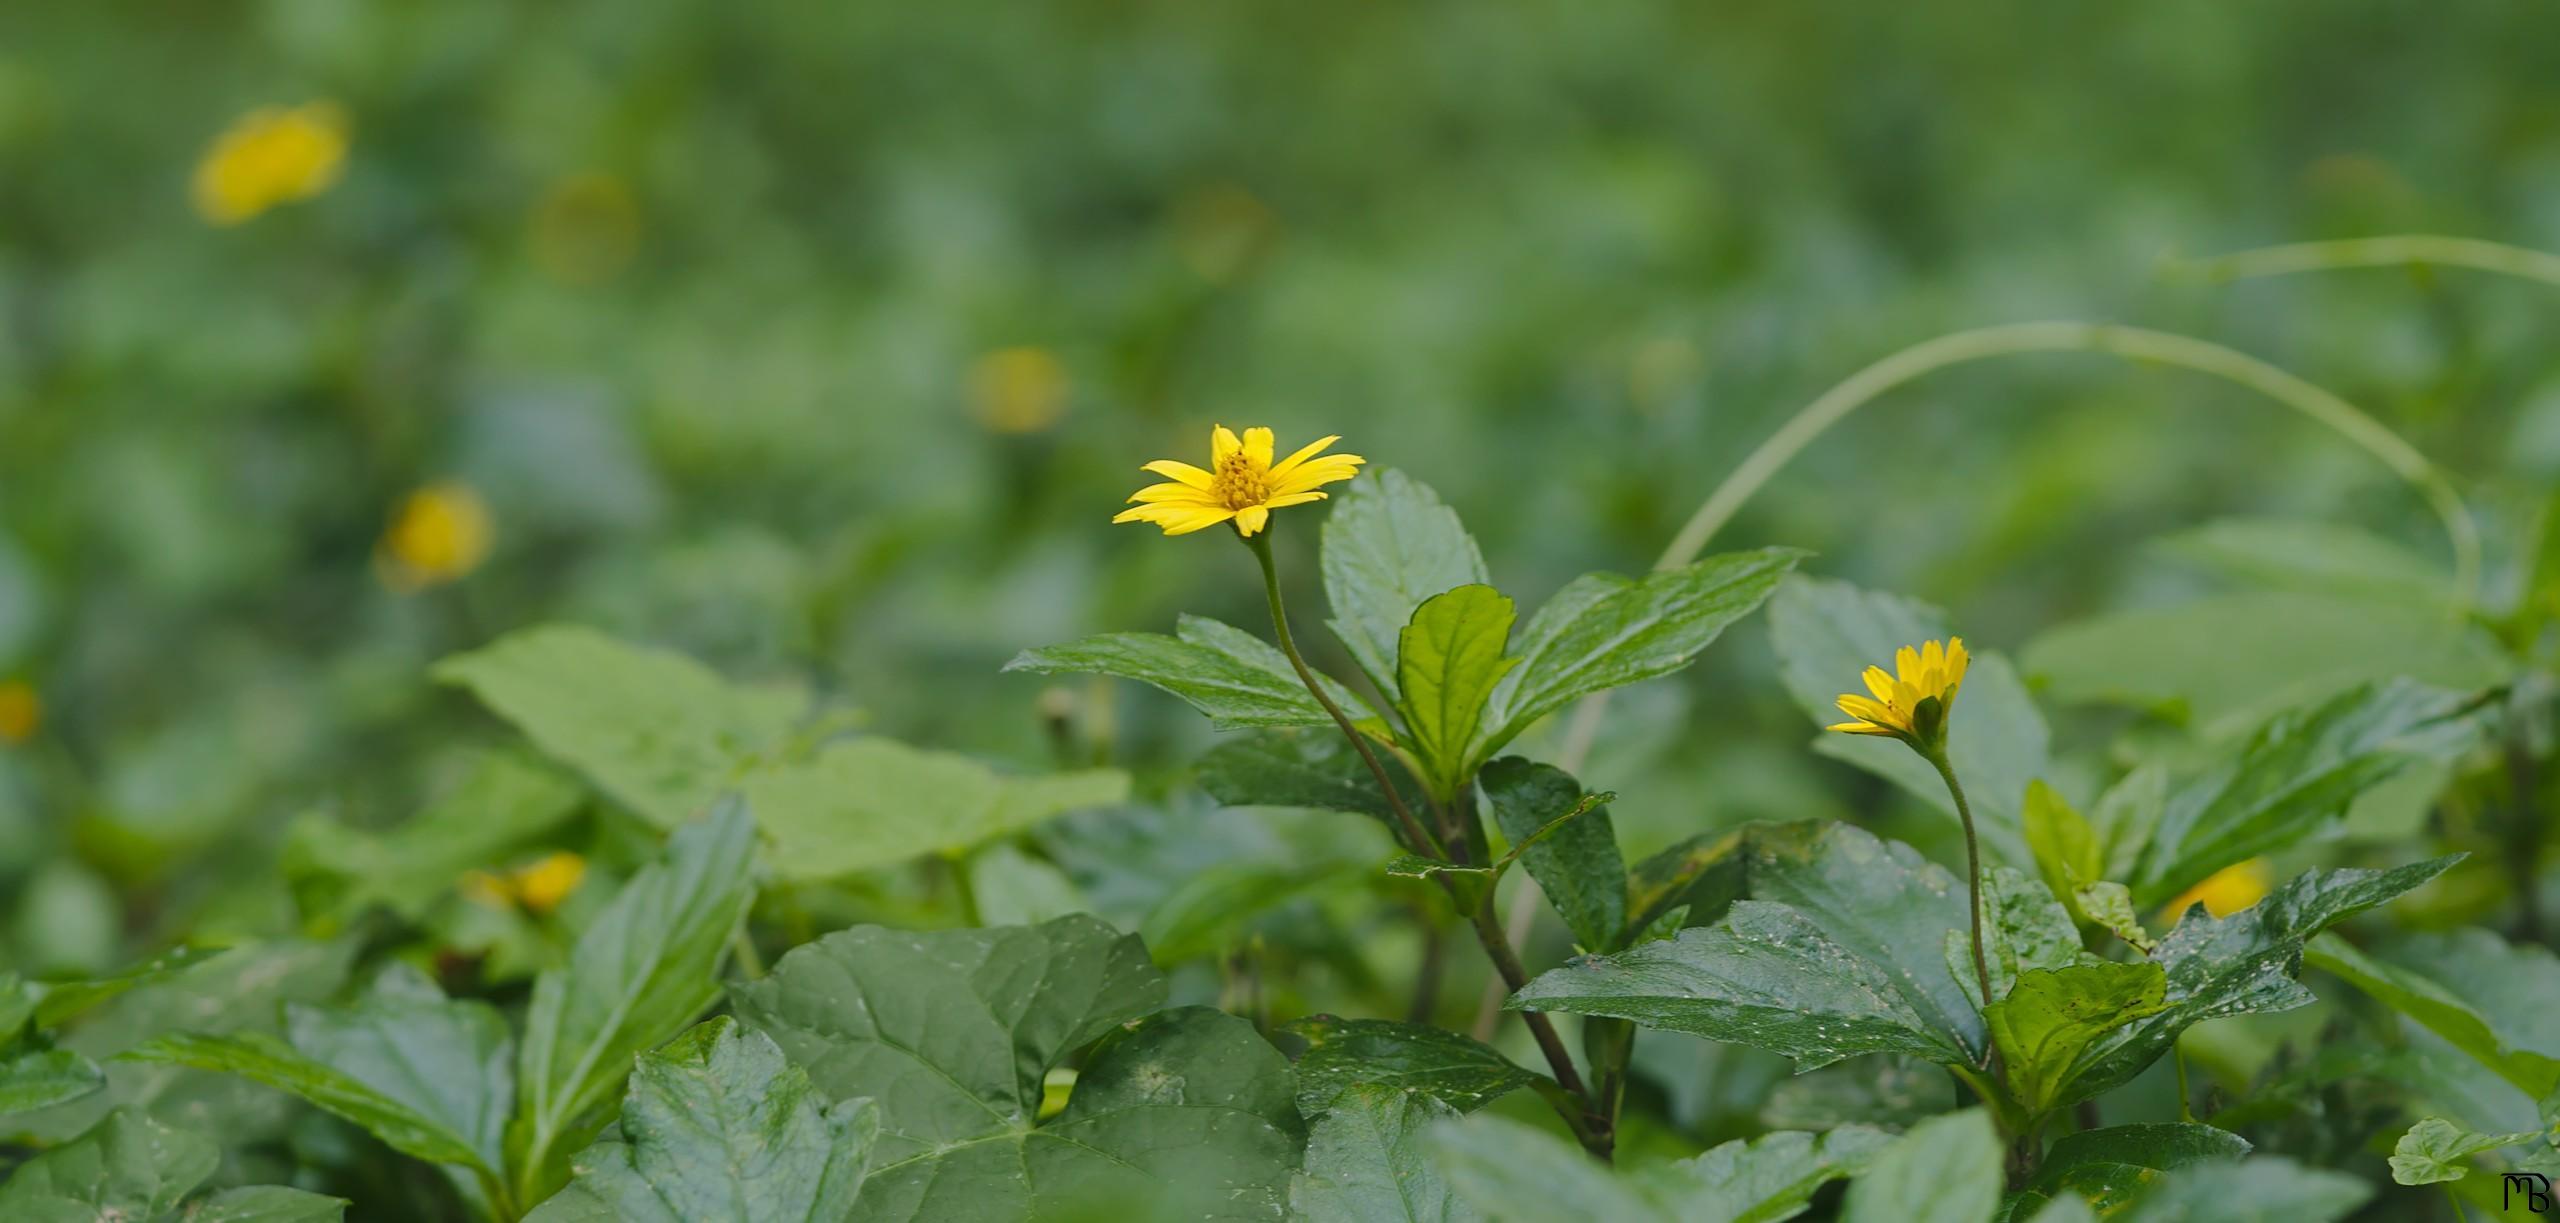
{"type": "Point", "coordinates": [441, 533]}
{"type": "Point", "coordinates": [2226, 891]}
{"type": "Point", "coordinates": [1243, 484]}
{"type": "Point", "coordinates": [272, 155]}
{"type": "Point", "coordinates": [537, 887]}
{"type": "Point", "coordinates": [21, 711]}
{"type": "Point", "coordinates": [1931, 672]}
{"type": "Point", "coordinates": [1018, 390]}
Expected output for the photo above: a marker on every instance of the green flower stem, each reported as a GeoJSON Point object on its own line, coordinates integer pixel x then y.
{"type": "Point", "coordinates": [1591, 1126]}
{"type": "Point", "coordinates": [1937, 756]}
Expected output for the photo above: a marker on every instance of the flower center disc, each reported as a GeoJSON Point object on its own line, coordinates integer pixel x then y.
{"type": "Point", "coordinates": [1240, 482]}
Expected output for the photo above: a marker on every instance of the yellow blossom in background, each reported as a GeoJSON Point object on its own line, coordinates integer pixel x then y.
{"type": "Point", "coordinates": [1242, 484]}
{"type": "Point", "coordinates": [537, 887]}
{"type": "Point", "coordinates": [586, 227]}
{"type": "Point", "coordinates": [1894, 701]}
{"type": "Point", "coordinates": [21, 711]}
{"type": "Point", "coordinates": [272, 155]}
{"type": "Point", "coordinates": [1018, 390]}
{"type": "Point", "coordinates": [2226, 891]}
{"type": "Point", "coordinates": [441, 533]}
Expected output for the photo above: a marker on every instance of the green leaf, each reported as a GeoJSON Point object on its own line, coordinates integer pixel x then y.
{"type": "Point", "coordinates": [1388, 545]}
{"type": "Point", "coordinates": [1448, 661]}
{"type": "Point", "coordinates": [2295, 774]}
{"type": "Point", "coordinates": [871, 802]}
{"type": "Point", "coordinates": [2068, 855]}
{"type": "Point", "coordinates": [661, 733]}
{"type": "Point", "coordinates": [1448, 1067]}
{"type": "Point", "coordinates": [716, 1125]}
{"type": "Point", "coordinates": [2051, 1016]}
{"type": "Point", "coordinates": [127, 1166]}
{"type": "Point", "coordinates": [503, 804]}
{"type": "Point", "coordinates": [1509, 1171]}
{"type": "Point", "coordinates": [1317, 770]}
{"type": "Point", "coordinates": [266, 1059]}
{"type": "Point", "coordinates": [1947, 1169]}
{"type": "Point", "coordinates": [1827, 633]}
{"type": "Point", "coordinates": [1605, 631]}
{"type": "Point", "coordinates": [1365, 1161]}
{"type": "Point", "coordinates": [1841, 951]}
{"type": "Point", "coordinates": [1700, 875]}
{"type": "Point", "coordinates": [639, 973]}
{"type": "Point", "coordinates": [43, 1078]}
{"type": "Point", "coordinates": [1775, 1176]}
{"type": "Point", "coordinates": [2420, 979]}
{"type": "Point", "coordinates": [1211, 911]}
{"type": "Point", "coordinates": [267, 1204]}
{"type": "Point", "coordinates": [2028, 929]}
{"type": "Point", "coordinates": [2106, 1168]}
{"type": "Point", "coordinates": [2259, 1190]}
{"type": "Point", "coordinates": [953, 1032]}
{"type": "Point", "coordinates": [1014, 888]}
{"type": "Point", "coordinates": [2434, 1150]}
{"type": "Point", "coordinates": [2109, 906]}
{"type": "Point", "coordinates": [60, 1001]}
{"type": "Point", "coordinates": [1892, 1092]}
{"type": "Point", "coordinates": [1231, 675]}
{"type": "Point", "coordinates": [2324, 557]}
{"type": "Point", "coordinates": [1577, 865]}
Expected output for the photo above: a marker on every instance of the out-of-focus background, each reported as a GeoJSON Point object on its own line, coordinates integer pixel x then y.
{"type": "Point", "coordinates": [821, 342]}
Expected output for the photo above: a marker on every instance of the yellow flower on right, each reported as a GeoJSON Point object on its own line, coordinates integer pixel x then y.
{"type": "Point", "coordinates": [2226, 891]}
{"type": "Point", "coordinates": [1893, 706]}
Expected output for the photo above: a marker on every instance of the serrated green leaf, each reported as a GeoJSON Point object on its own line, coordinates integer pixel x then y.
{"type": "Point", "coordinates": [1448, 1067]}
{"type": "Point", "coordinates": [2050, 1017]}
{"type": "Point", "coordinates": [1447, 663]}
{"type": "Point", "coordinates": [43, 1078]}
{"type": "Point", "coordinates": [2434, 1150]}
{"type": "Point", "coordinates": [1311, 769]}
{"type": "Point", "coordinates": [639, 973]}
{"type": "Point", "coordinates": [1605, 631]}
{"type": "Point", "coordinates": [2420, 979]}
{"type": "Point", "coordinates": [1388, 545]}
{"type": "Point", "coordinates": [1840, 952]}
{"type": "Point", "coordinates": [2025, 929]}
{"type": "Point", "coordinates": [1577, 865]}
{"type": "Point", "coordinates": [1827, 633]}
{"type": "Point", "coordinates": [716, 1125]}
{"type": "Point", "coordinates": [1510, 1172]}
{"type": "Point", "coordinates": [871, 803]}
{"type": "Point", "coordinates": [1365, 1162]}
{"type": "Point", "coordinates": [2262, 1189]}
{"type": "Point", "coordinates": [661, 733]}
{"type": "Point", "coordinates": [2106, 1168]}
{"type": "Point", "coordinates": [127, 1166]}
{"type": "Point", "coordinates": [1946, 1169]}
{"type": "Point", "coordinates": [1231, 675]}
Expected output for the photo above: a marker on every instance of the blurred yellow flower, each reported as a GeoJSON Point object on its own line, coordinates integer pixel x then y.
{"type": "Point", "coordinates": [1242, 485]}
{"type": "Point", "coordinates": [2226, 891]}
{"type": "Point", "coordinates": [537, 887]}
{"type": "Point", "coordinates": [1894, 708]}
{"type": "Point", "coordinates": [441, 533]}
{"type": "Point", "coordinates": [586, 227]}
{"type": "Point", "coordinates": [1018, 390]}
{"type": "Point", "coordinates": [21, 711]}
{"type": "Point", "coordinates": [272, 155]}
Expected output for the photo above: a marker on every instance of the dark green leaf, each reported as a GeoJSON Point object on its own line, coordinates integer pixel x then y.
{"type": "Point", "coordinates": [2259, 1190]}
{"type": "Point", "coordinates": [716, 1125]}
{"type": "Point", "coordinates": [1388, 545]}
{"type": "Point", "coordinates": [1446, 1066]}
{"type": "Point", "coordinates": [1891, 1092]}
{"type": "Point", "coordinates": [1710, 863]}
{"type": "Point", "coordinates": [871, 802]}
{"type": "Point", "coordinates": [1604, 631]}
{"type": "Point", "coordinates": [1365, 1162]}
{"type": "Point", "coordinates": [43, 1078]}
{"type": "Point", "coordinates": [1774, 1176]}
{"type": "Point", "coordinates": [2107, 1167]}
{"type": "Point", "coordinates": [1233, 676]}
{"type": "Point", "coordinates": [265, 1059]}
{"type": "Point", "coordinates": [1947, 1169]}
{"type": "Point", "coordinates": [1312, 769]}
{"type": "Point", "coordinates": [1509, 1171]}
{"type": "Point", "coordinates": [1449, 659]}
{"type": "Point", "coordinates": [127, 1166]}
{"type": "Point", "coordinates": [266, 1204]}
{"type": "Point", "coordinates": [1577, 865]}
{"type": "Point", "coordinates": [2050, 1017]}
{"type": "Point", "coordinates": [2420, 979]}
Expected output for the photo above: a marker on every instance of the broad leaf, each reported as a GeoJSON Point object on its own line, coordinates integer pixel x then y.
{"type": "Point", "coordinates": [266, 1204]}
{"type": "Point", "coordinates": [716, 1125]}
{"type": "Point", "coordinates": [1577, 865]}
{"type": "Point", "coordinates": [43, 1078]}
{"type": "Point", "coordinates": [1840, 952]}
{"type": "Point", "coordinates": [2106, 1168]}
{"type": "Point", "coordinates": [1388, 545]}
{"type": "Point", "coordinates": [59, 1001]}
{"type": "Point", "coordinates": [2258, 1190]}
{"type": "Point", "coordinates": [2024, 929]}
{"type": "Point", "coordinates": [1508, 1171]}
{"type": "Point", "coordinates": [661, 733]}
{"type": "Point", "coordinates": [639, 973]}
{"type": "Point", "coordinates": [1947, 1169]}
{"type": "Point", "coordinates": [871, 803]}
{"type": "Point", "coordinates": [2068, 855]}
{"type": "Point", "coordinates": [1231, 675]}
{"type": "Point", "coordinates": [1365, 1162]}
{"type": "Point", "coordinates": [2434, 1150]}
{"type": "Point", "coordinates": [1446, 1066]}
{"type": "Point", "coordinates": [1604, 631]}
{"type": "Point", "coordinates": [2451, 983]}
{"type": "Point", "coordinates": [2050, 1017]}
{"type": "Point", "coordinates": [1312, 769]}
{"type": "Point", "coordinates": [1775, 1176]}
{"type": "Point", "coordinates": [2301, 554]}
{"type": "Point", "coordinates": [1448, 661]}
{"type": "Point", "coordinates": [1827, 633]}
{"type": "Point", "coordinates": [127, 1166]}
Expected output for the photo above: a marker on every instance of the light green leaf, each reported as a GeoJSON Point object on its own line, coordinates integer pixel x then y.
{"type": "Point", "coordinates": [504, 803]}
{"type": "Point", "coordinates": [1840, 952]}
{"type": "Point", "coordinates": [57, 1002]}
{"type": "Point", "coordinates": [2109, 906]}
{"type": "Point", "coordinates": [2050, 1017]}
{"type": "Point", "coordinates": [2068, 855]}
{"type": "Point", "coordinates": [1605, 631]}
{"type": "Point", "coordinates": [2323, 557]}
{"type": "Point", "coordinates": [1577, 865]}
{"type": "Point", "coordinates": [2421, 977]}
{"type": "Point", "coordinates": [2435, 1149]}
{"type": "Point", "coordinates": [1508, 1171]}
{"type": "Point", "coordinates": [2259, 1190]}
{"type": "Point", "coordinates": [1212, 910]}
{"type": "Point", "coordinates": [1827, 633]}
{"type": "Point", "coordinates": [1312, 769]}
{"type": "Point", "coordinates": [716, 1125]}
{"type": "Point", "coordinates": [639, 973]}
{"type": "Point", "coordinates": [1419, 1059]}
{"type": "Point", "coordinates": [43, 1078]}
{"type": "Point", "coordinates": [870, 803]}
{"type": "Point", "coordinates": [127, 1166]}
{"type": "Point", "coordinates": [1014, 889]}
{"type": "Point", "coordinates": [1774, 1176]}
{"type": "Point", "coordinates": [1448, 661]}
{"type": "Point", "coordinates": [1947, 1169]}
{"type": "Point", "coordinates": [1365, 1162]}
{"type": "Point", "coordinates": [661, 733]}
{"type": "Point", "coordinates": [266, 1059]}
{"type": "Point", "coordinates": [266, 1204]}
{"type": "Point", "coordinates": [1388, 545]}
{"type": "Point", "coordinates": [2105, 1168]}
{"type": "Point", "coordinates": [1231, 675]}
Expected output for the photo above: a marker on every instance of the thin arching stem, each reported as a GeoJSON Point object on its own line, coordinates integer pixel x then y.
{"type": "Point", "coordinates": [2395, 250]}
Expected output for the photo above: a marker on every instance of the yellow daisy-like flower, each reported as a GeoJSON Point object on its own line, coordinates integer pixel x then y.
{"type": "Point", "coordinates": [537, 887]}
{"type": "Point", "coordinates": [1242, 485]}
{"type": "Point", "coordinates": [2226, 891]}
{"type": "Point", "coordinates": [1931, 672]}
{"type": "Point", "coordinates": [441, 534]}
{"type": "Point", "coordinates": [273, 155]}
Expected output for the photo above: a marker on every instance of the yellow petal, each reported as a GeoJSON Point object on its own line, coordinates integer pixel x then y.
{"type": "Point", "coordinates": [1879, 683]}
{"type": "Point", "coordinates": [1957, 658]}
{"type": "Point", "coordinates": [1200, 520]}
{"type": "Point", "coordinates": [1288, 499]}
{"type": "Point", "coordinates": [1257, 447]}
{"type": "Point", "coordinates": [1906, 664]}
{"type": "Point", "coordinates": [1906, 695]}
{"type": "Point", "coordinates": [1860, 707]}
{"type": "Point", "coordinates": [1251, 519]}
{"type": "Point", "coordinates": [1309, 451]}
{"type": "Point", "coordinates": [1180, 473]}
{"type": "Point", "coordinates": [1319, 471]}
{"type": "Point", "coordinates": [1222, 445]}
{"type": "Point", "coordinates": [1172, 492]}
{"type": "Point", "coordinates": [1861, 728]}
{"type": "Point", "coordinates": [1933, 656]}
